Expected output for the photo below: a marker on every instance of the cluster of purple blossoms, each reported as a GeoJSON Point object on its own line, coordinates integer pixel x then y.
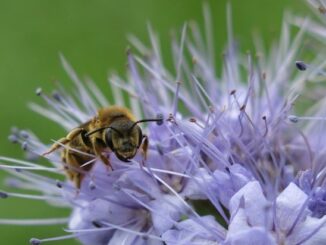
{"type": "Point", "coordinates": [235, 162]}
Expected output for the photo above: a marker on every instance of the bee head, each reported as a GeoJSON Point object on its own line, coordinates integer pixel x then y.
{"type": "Point", "coordinates": [123, 138]}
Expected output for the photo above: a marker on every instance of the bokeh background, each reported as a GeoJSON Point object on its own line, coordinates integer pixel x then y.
{"type": "Point", "coordinates": [92, 35]}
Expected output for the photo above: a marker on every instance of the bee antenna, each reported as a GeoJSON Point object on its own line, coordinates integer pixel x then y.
{"type": "Point", "coordinates": [100, 129]}
{"type": "Point", "coordinates": [158, 120]}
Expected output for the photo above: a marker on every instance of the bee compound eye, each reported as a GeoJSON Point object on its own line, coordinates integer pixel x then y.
{"type": "Point", "coordinates": [108, 139]}
{"type": "Point", "coordinates": [140, 137]}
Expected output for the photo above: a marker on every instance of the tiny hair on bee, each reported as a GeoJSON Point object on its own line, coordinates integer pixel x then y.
{"type": "Point", "coordinates": [113, 130]}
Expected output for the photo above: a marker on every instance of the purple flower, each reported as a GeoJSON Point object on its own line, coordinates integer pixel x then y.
{"type": "Point", "coordinates": [234, 142]}
{"type": "Point", "coordinates": [285, 220]}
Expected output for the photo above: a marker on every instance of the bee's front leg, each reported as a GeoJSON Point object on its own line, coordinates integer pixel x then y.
{"type": "Point", "coordinates": [144, 148]}
{"type": "Point", "coordinates": [98, 150]}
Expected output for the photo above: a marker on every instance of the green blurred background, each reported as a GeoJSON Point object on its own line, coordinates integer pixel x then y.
{"type": "Point", "coordinates": [92, 36]}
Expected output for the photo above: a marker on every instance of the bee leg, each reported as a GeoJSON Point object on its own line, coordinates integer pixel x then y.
{"type": "Point", "coordinates": [75, 132]}
{"type": "Point", "coordinates": [98, 152]}
{"type": "Point", "coordinates": [106, 161]}
{"type": "Point", "coordinates": [73, 170]}
{"type": "Point", "coordinates": [56, 146]}
{"type": "Point", "coordinates": [78, 178]}
{"type": "Point", "coordinates": [144, 149]}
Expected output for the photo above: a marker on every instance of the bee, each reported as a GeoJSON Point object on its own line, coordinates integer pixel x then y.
{"type": "Point", "coordinates": [113, 129]}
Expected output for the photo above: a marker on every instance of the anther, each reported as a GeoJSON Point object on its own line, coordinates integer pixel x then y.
{"type": "Point", "coordinates": [233, 92]}
{"type": "Point", "coordinates": [38, 91]}
{"type": "Point", "coordinates": [159, 149]}
{"type": "Point", "coordinates": [56, 96]}
{"type": "Point", "coordinates": [301, 65]}
{"type": "Point", "coordinates": [3, 195]}
{"type": "Point", "coordinates": [13, 138]}
{"type": "Point", "coordinates": [24, 146]}
{"type": "Point", "coordinates": [193, 120]}
{"type": "Point", "coordinates": [97, 224]}
{"type": "Point", "coordinates": [117, 187]}
{"type": "Point", "coordinates": [128, 50]}
{"type": "Point", "coordinates": [35, 241]}
{"type": "Point", "coordinates": [24, 134]}
{"type": "Point", "coordinates": [92, 185]}
{"type": "Point", "coordinates": [144, 237]}
{"type": "Point", "coordinates": [14, 130]}
{"type": "Point", "coordinates": [58, 184]}
{"type": "Point", "coordinates": [15, 183]}
{"type": "Point", "coordinates": [242, 108]}
{"type": "Point", "coordinates": [293, 119]}
{"type": "Point", "coordinates": [160, 117]}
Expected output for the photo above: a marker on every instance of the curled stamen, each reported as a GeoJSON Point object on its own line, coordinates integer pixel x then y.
{"type": "Point", "coordinates": [266, 126]}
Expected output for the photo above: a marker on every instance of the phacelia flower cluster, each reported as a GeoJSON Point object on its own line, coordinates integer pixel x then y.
{"type": "Point", "coordinates": [236, 160]}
